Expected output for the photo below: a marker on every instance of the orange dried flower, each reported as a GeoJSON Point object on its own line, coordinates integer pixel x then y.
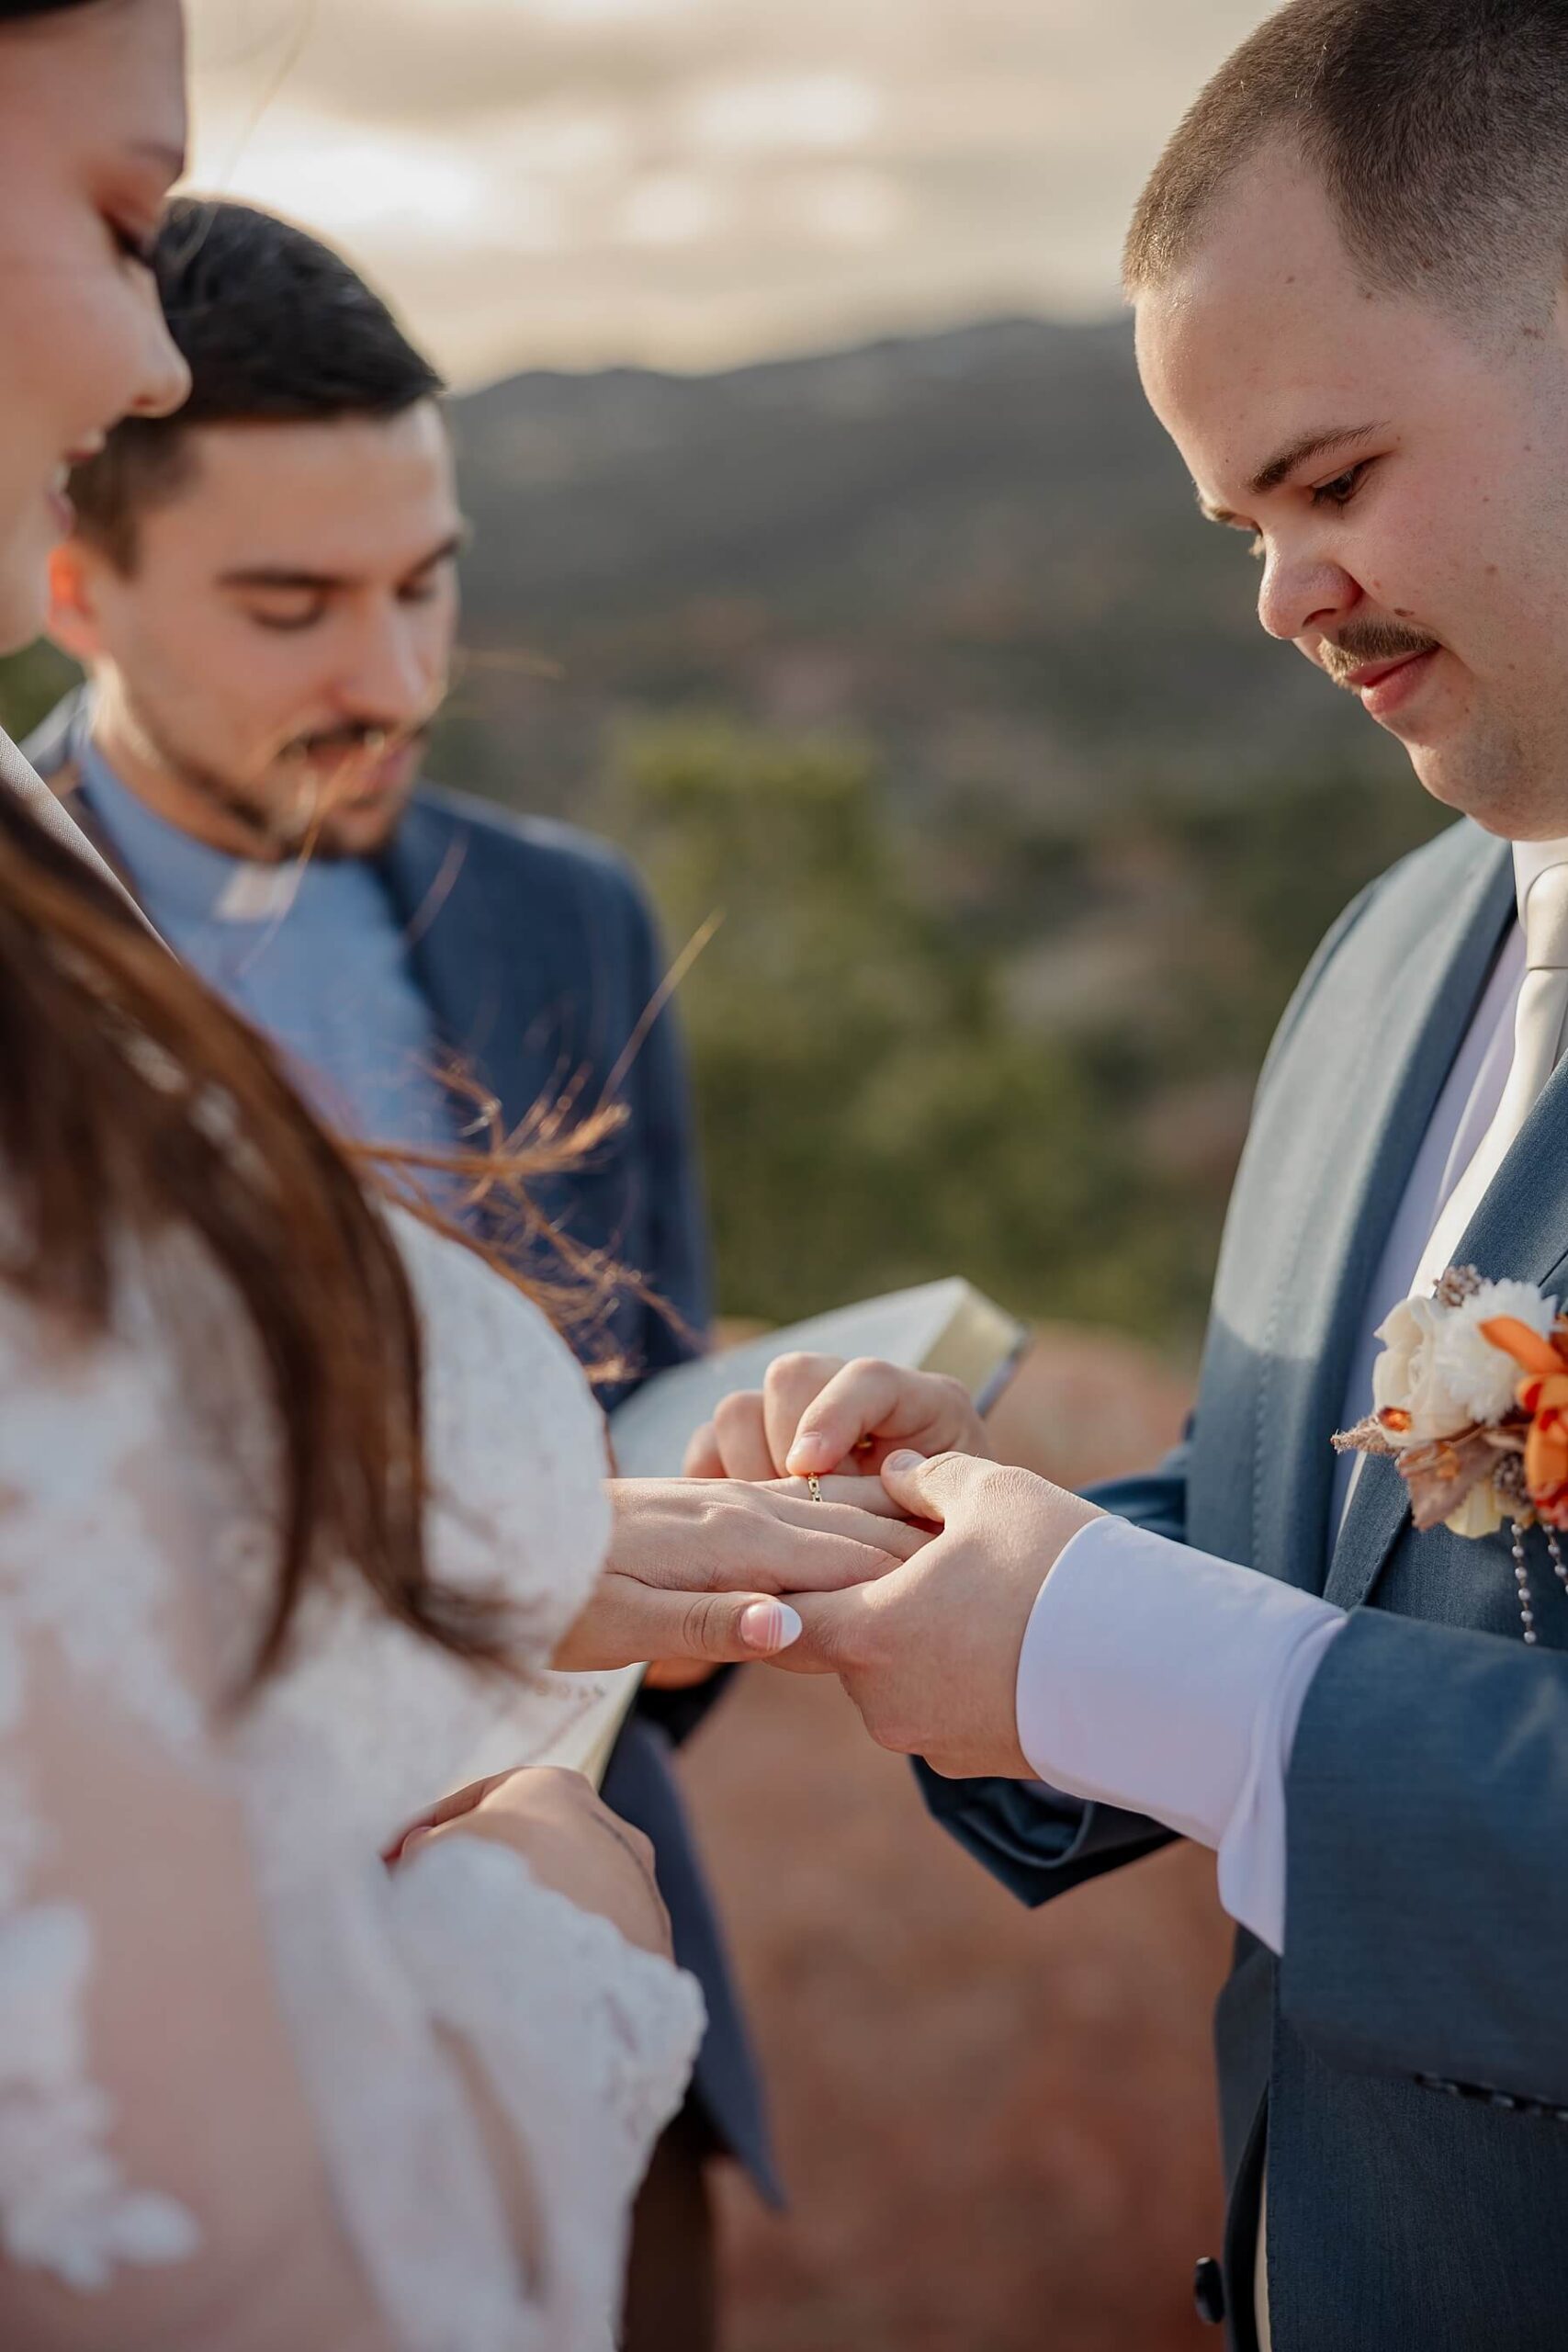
{"type": "Point", "coordinates": [1542, 1394]}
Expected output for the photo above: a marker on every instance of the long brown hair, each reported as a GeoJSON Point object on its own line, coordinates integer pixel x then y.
{"type": "Point", "coordinates": [133, 1100]}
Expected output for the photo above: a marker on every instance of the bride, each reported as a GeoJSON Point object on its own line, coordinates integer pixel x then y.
{"type": "Point", "coordinates": [297, 1501]}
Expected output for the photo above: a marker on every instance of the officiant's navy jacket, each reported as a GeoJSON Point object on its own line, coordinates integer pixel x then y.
{"type": "Point", "coordinates": [1402, 2072]}
{"type": "Point", "coordinates": [536, 951]}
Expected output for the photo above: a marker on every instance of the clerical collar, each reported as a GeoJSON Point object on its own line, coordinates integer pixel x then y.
{"type": "Point", "coordinates": [171, 865]}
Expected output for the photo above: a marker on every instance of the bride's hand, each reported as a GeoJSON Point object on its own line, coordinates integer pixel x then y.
{"type": "Point", "coordinates": [569, 1837]}
{"type": "Point", "coordinates": [814, 1414]}
{"type": "Point", "coordinates": [694, 1567]}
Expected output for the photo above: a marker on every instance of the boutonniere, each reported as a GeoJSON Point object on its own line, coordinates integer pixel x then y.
{"type": "Point", "coordinates": [1470, 1400]}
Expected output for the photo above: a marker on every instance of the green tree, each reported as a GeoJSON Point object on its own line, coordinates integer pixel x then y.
{"type": "Point", "coordinates": [30, 685]}
{"type": "Point", "coordinates": [870, 1115]}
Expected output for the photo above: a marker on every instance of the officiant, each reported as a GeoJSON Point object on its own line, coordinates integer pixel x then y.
{"type": "Point", "coordinates": [264, 593]}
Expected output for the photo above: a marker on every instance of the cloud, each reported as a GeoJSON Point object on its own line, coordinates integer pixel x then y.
{"type": "Point", "coordinates": [694, 182]}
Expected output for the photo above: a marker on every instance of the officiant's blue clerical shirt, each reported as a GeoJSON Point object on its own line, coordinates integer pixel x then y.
{"type": "Point", "coordinates": [314, 953]}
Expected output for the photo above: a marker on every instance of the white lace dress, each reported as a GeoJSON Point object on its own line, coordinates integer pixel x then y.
{"type": "Point", "coordinates": [255, 2090]}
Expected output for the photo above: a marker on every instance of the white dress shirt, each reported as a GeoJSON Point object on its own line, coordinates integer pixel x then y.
{"type": "Point", "coordinates": [1155, 1678]}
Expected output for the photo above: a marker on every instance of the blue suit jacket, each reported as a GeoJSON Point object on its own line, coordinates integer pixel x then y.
{"type": "Point", "coordinates": [1404, 2071]}
{"type": "Point", "coordinates": [539, 957]}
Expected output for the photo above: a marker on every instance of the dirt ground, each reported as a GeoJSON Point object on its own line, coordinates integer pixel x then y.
{"type": "Point", "coordinates": [997, 2127]}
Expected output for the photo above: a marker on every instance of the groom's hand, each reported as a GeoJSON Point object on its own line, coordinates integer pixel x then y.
{"type": "Point", "coordinates": [930, 1652]}
{"type": "Point", "coordinates": [814, 1414]}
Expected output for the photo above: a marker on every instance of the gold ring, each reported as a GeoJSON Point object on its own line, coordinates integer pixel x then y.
{"type": "Point", "coordinates": [814, 1487]}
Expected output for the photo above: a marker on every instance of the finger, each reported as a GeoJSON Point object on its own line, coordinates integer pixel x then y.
{"type": "Point", "coordinates": [828, 1623]}
{"type": "Point", "coordinates": [742, 1440]}
{"type": "Point", "coordinates": [704, 1459]}
{"type": "Point", "coordinates": [887, 1531]}
{"type": "Point", "coordinates": [460, 1800]}
{"type": "Point", "coordinates": [447, 1808]}
{"type": "Point", "coordinates": [792, 1383]}
{"type": "Point", "coordinates": [872, 1400]}
{"type": "Point", "coordinates": [932, 1489]}
{"type": "Point", "coordinates": [628, 1621]}
{"type": "Point", "coordinates": [857, 1493]}
{"type": "Point", "coordinates": [779, 1556]}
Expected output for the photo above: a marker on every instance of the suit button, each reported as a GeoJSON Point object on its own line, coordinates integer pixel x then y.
{"type": "Point", "coordinates": [1208, 2291]}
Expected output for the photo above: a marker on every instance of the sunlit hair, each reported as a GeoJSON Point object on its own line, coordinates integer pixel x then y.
{"type": "Point", "coordinates": [275, 328]}
{"type": "Point", "coordinates": [1439, 128]}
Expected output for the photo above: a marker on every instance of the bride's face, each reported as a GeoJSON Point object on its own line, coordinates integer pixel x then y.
{"type": "Point", "coordinates": [91, 133]}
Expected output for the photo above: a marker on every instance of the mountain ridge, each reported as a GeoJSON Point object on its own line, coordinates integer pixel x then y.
{"type": "Point", "coordinates": [981, 531]}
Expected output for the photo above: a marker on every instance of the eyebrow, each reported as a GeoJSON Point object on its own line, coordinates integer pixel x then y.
{"type": "Point", "coordinates": [1284, 463]}
{"type": "Point", "coordinates": [290, 577]}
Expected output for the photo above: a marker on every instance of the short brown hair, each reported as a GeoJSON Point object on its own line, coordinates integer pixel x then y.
{"type": "Point", "coordinates": [275, 329]}
{"type": "Point", "coordinates": [1439, 128]}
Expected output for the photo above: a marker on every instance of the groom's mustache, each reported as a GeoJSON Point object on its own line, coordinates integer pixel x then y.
{"type": "Point", "coordinates": [1360, 642]}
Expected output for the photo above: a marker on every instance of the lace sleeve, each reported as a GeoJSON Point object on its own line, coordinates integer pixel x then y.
{"type": "Point", "coordinates": [156, 2146]}
{"type": "Point", "coordinates": [592, 2028]}
{"type": "Point", "coordinates": [232, 2114]}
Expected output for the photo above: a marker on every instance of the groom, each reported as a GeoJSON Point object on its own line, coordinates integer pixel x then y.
{"type": "Point", "coordinates": [1352, 317]}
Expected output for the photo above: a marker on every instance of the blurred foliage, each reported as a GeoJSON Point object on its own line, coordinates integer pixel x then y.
{"type": "Point", "coordinates": [869, 1115]}
{"type": "Point", "coordinates": [30, 685]}
{"type": "Point", "coordinates": [877, 1111]}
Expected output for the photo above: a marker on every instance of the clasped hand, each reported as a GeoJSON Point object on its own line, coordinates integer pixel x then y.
{"type": "Point", "coordinates": [696, 1568]}
{"type": "Point", "coordinates": [914, 1586]}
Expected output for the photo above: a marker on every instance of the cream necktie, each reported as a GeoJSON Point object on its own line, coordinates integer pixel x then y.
{"type": "Point", "coordinates": [1539, 1022]}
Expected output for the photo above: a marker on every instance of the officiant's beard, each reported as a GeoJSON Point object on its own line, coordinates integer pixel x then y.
{"type": "Point", "coordinates": [303, 799]}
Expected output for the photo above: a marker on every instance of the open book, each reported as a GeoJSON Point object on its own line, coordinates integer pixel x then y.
{"type": "Point", "coordinates": [944, 1327]}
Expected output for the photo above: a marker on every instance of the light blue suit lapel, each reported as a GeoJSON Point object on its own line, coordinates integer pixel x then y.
{"type": "Point", "coordinates": [1520, 1231]}
{"type": "Point", "coordinates": [1345, 1101]}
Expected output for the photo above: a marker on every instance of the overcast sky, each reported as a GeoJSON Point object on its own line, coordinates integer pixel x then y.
{"type": "Point", "coordinates": [693, 183]}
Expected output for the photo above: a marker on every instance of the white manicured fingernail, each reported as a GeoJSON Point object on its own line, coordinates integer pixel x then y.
{"type": "Point", "coordinates": [769, 1625]}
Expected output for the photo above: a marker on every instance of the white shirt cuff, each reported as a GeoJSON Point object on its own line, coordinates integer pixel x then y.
{"type": "Point", "coordinates": [1164, 1681]}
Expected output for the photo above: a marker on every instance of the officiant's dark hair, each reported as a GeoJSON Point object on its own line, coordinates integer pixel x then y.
{"type": "Point", "coordinates": [1439, 128]}
{"type": "Point", "coordinates": [275, 329]}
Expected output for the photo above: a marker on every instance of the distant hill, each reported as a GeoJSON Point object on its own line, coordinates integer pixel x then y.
{"type": "Point", "coordinates": [978, 548]}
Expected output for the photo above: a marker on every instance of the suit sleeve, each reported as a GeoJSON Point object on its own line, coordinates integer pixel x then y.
{"type": "Point", "coordinates": [1038, 1843]}
{"type": "Point", "coordinates": [1426, 1906]}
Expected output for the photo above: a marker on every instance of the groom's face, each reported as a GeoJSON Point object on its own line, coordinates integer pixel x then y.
{"type": "Point", "coordinates": [1403, 480]}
